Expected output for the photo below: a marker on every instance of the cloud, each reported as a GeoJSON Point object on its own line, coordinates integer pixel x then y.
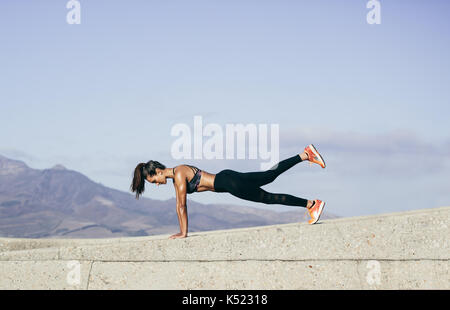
{"type": "Point", "coordinates": [17, 155]}
{"type": "Point", "coordinates": [392, 154]}
{"type": "Point", "coordinates": [389, 143]}
{"type": "Point", "coordinates": [399, 153]}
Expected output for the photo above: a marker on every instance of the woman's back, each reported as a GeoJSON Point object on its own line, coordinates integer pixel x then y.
{"type": "Point", "coordinates": [197, 180]}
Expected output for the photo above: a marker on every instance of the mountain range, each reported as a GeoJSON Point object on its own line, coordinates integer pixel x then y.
{"type": "Point", "coordinates": [63, 203]}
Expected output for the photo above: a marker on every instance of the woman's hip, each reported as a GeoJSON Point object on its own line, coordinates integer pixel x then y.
{"type": "Point", "coordinates": [226, 180]}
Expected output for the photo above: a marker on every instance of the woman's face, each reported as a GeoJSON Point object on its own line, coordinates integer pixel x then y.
{"type": "Point", "coordinates": [158, 178]}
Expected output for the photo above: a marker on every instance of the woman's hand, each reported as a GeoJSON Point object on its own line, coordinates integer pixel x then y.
{"type": "Point", "coordinates": [177, 236]}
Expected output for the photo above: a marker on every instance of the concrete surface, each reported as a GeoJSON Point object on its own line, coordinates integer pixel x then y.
{"type": "Point", "coordinates": [408, 250]}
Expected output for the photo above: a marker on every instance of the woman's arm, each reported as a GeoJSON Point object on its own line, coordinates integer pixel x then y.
{"type": "Point", "coordinates": [180, 190]}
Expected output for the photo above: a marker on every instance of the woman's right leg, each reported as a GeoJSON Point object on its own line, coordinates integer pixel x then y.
{"type": "Point", "coordinates": [257, 194]}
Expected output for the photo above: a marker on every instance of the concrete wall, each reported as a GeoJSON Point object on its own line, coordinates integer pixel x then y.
{"type": "Point", "coordinates": [408, 250]}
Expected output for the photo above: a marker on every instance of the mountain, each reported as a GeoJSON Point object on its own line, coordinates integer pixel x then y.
{"type": "Point", "coordinates": [63, 203]}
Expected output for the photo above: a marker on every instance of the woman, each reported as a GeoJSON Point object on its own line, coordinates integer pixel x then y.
{"type": "Point", "coordinates": [246, 185]}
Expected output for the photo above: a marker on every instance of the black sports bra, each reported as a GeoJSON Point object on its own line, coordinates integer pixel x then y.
{"type": "Point", "coordinates": [193, 183]}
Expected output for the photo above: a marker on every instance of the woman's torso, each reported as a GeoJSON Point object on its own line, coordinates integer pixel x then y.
{"type": "Point", "coordinates": [197, 180]}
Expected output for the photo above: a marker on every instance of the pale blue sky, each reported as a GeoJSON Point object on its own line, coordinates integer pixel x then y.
{"type": "Point", "coordinates": [101, 96]}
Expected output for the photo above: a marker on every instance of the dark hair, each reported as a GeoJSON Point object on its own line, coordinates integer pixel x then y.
{"type": "Point", "coordinates": [141, 172]}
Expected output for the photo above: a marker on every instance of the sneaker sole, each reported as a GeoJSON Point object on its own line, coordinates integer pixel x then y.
{"type": "Point", "coordinates": [322, 205]}
{"type": "Point", "coordinates": [311, 146]}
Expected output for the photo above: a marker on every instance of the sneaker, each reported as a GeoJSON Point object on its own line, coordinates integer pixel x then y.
{"type": "Point", "coordinates": [316, 210]}
{"type": "Point", "coordinates": [314, 156]}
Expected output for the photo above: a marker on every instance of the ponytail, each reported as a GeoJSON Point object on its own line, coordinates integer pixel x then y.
{"type": "Point", "coordinates": [138, 183]}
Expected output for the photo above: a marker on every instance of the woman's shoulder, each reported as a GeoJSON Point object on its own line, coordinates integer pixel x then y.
{"type": "Point", "coordinates": [180, 172]}
{"type": "Point", "coordinates": [187, 167]}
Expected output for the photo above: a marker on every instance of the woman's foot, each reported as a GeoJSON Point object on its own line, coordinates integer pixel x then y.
{"type": "Point", "coordinates": [315, 210]}
{"type": "Point", "coordinates": [313, 155]}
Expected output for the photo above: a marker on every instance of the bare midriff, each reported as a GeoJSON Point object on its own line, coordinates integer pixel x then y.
{"type": "Point", "coordinates": [206, 182]}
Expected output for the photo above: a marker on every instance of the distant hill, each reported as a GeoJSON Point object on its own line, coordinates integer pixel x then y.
{"type": "Point", "coordinates": [63, 203]}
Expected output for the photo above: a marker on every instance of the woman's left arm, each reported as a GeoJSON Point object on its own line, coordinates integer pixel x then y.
{"type": "Point", "coordinates": [180, 189]}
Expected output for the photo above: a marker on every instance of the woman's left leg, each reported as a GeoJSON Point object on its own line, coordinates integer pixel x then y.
{"type": "Point", "coordinates": [260, 178]}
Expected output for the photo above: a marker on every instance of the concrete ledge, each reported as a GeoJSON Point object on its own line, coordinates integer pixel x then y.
{"type": "Point", "coordinates": [408, 250]}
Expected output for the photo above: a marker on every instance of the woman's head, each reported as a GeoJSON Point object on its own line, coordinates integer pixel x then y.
{"type": "Point", "coordinates": [151, 171]}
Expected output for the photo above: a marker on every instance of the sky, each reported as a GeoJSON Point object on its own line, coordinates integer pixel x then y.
{"type": "Point", "coordinates": [101, 96]}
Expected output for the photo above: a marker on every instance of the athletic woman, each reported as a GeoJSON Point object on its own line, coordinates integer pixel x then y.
{"type": "Point", "coordinates": [246, 185]}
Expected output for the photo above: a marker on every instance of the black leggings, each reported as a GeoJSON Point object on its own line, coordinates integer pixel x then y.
{"type": "Point", "coordinates": [246, 185]}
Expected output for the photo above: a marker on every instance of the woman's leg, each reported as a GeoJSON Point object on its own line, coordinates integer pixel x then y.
{"type": "Point", "coordinates": [257, 194]}
{"type": "Point", "coordinates": [230, 181]}
{"type": "Point", "coordinates": [261, 178]}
